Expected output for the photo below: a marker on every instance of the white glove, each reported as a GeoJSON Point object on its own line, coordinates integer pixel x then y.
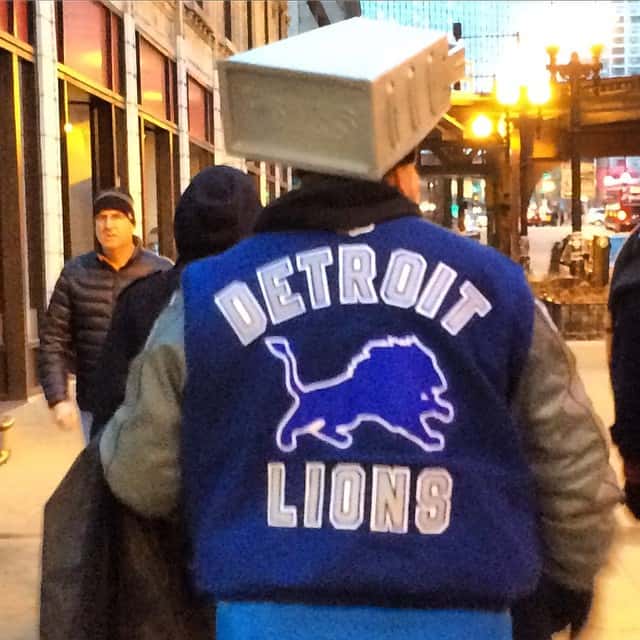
{"type": "Point", "coordinates": [66, 415]}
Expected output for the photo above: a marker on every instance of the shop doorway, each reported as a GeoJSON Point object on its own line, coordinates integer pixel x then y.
{"type": "Point", "coordinates": [22, 296]}
{"type": "Point", "coordinates": [199, 159]}
{"type": "Point", "coordinates": [151, 235]}
{"type": "Point", "coordinates": [160, 187]}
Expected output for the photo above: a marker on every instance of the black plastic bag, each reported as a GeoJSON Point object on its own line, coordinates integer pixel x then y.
{"type": "Point", "coordinates": [108, 574]}
{"type": "Point", "coordinates": [78, 579]}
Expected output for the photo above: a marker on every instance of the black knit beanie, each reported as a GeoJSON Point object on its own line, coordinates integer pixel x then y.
{"type": "Point", "coordinates": [216, 210]}
{"type": "Point", "coordinates": [117, 199]}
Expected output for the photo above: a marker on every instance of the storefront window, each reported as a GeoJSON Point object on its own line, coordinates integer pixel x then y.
{"type": "Point", "coordinates": [32, 200]}
{"type": "Point", "coordinates": [199, 159]}
{"type": "Point", "coordinates": [22, 266]}
{"type": "Point", "coordinates": [84, 37]}
{"type": "Point", "coordinates": [154, 77]}
{"type": "Point", "coordinates": [271, 190]}
{"type": "Point", "coordinates": [254, 174]}
{"type": "Point", "coordinates": [200, 112]}
{"type": "Point", "coordinates": [21, 13]}
{"type": "Point", "coordinates": [4, 15]}
{"type": "Point", "coordinates": [197, 110]}
{"type": "Point", "coordinates": [270, 173]}
{"type": "Point", "coordinates": [14, 18]}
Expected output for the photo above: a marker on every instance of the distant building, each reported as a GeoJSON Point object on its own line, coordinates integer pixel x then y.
{"type": "Point", "coordinates": [493, 30]}
{"type": "Point", "coordinates": [487, 30]}
{"type": "Point", "coordinates": [622, 58]}
{"type": "Point", "coordinates": [96, 94]}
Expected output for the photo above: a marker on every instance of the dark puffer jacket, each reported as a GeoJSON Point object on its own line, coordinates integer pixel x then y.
{"type": "Point", "coordinates": [79, 316]}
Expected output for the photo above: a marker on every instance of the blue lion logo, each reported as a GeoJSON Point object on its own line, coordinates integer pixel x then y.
{"type": "Point", "coordinates": [331, 409]}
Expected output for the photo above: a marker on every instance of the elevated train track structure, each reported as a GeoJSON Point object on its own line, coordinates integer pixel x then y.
{"type": "Point", "coordinates": [539, 139]}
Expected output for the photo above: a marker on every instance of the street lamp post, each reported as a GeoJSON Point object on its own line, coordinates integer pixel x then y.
{"type": "Point", "coordinates": [516, 96]}
{"type": "Point", "coordinates": [574, 72]}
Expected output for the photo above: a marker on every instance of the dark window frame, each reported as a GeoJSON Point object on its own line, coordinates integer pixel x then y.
{"type": "Point", "coordinates": [266, 22]}
{"type": "Point", "coordinates": [249, 24]}
{"type": "Point", "coordinates": [115, 44]}
{"type": "Point", "coordinates": [280, 30]}
{"type": "Point", "coordinates": [171, 90]}
{"type": "Point", "coordinates": [228, 22]}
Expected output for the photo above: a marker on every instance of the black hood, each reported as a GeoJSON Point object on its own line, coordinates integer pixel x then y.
{"type": "Point", "coordinates": [626, 273]}
{"type": "Point", "coordinates": [216, 210]}
{"type": "Point", "coordinates": [333, 204]}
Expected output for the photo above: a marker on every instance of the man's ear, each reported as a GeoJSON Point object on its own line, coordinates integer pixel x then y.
{"type": "Point", "coordinates": [391, 177]}
{"type": "Point", "coordinates": [404, 178]}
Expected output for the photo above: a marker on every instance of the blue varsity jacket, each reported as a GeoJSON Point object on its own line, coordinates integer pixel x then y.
{"type": "Point", "coordinates": [347, 434]}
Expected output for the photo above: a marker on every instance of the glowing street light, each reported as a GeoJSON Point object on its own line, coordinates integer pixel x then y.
{"type": "Point", "coordinates": [481, 126]}
{"type": "Point", "coordinates": [539, 91]}
{"type": "Point", "coordinates": [507, 93]}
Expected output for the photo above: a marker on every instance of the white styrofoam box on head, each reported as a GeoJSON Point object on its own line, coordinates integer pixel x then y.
{"type": "Point", "coordinates": [349, 99]}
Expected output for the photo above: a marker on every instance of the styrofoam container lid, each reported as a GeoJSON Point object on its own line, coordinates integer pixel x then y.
{"type": "Point", "coordinates": [351, 99]}
{"type": "Point", "coordinates": [337, 49]}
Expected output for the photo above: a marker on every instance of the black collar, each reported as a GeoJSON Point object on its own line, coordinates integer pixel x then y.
{"type": "Point", "coordinates": [334, 204]}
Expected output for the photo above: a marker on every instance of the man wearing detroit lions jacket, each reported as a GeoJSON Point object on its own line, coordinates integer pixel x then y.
{"type": "Point", "coordinates": [371, 427]}
{"type": "Point", "coordinates": [524, 366]}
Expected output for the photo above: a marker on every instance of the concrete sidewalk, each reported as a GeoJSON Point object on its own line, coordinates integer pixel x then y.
{"type": "Point", "coordinates": [615, 614]}
{"type": "Point", "coordinates": [41, 455]}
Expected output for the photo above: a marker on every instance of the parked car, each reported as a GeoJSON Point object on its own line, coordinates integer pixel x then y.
{"type": "Point", "coordinates": [595, 215]}
{"type": "Point", "coordinates": [621, 218]}
{"type": "Point", "coordinates": [538, 216]}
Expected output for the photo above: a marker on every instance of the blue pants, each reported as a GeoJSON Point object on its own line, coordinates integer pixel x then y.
{"type": "Point", "coordinates": [272, 621]}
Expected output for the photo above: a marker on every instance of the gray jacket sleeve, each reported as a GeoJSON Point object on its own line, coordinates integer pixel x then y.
{"type": "Point", "coordinates": [567, 451]}
{"type": "Point", "coordinates": [140, 444]}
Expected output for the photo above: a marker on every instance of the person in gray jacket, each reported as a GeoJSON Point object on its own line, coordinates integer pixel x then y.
{"type": "Point", "coordinates": [562, 437]}
{"type": "Point", "coordinates": [557, 438]}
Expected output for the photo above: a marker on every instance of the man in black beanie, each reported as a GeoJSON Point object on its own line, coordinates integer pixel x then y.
{"type": "Point", "coordinates": [82, 302]}
{"type": "Point", "coordinates": [217, 209]}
